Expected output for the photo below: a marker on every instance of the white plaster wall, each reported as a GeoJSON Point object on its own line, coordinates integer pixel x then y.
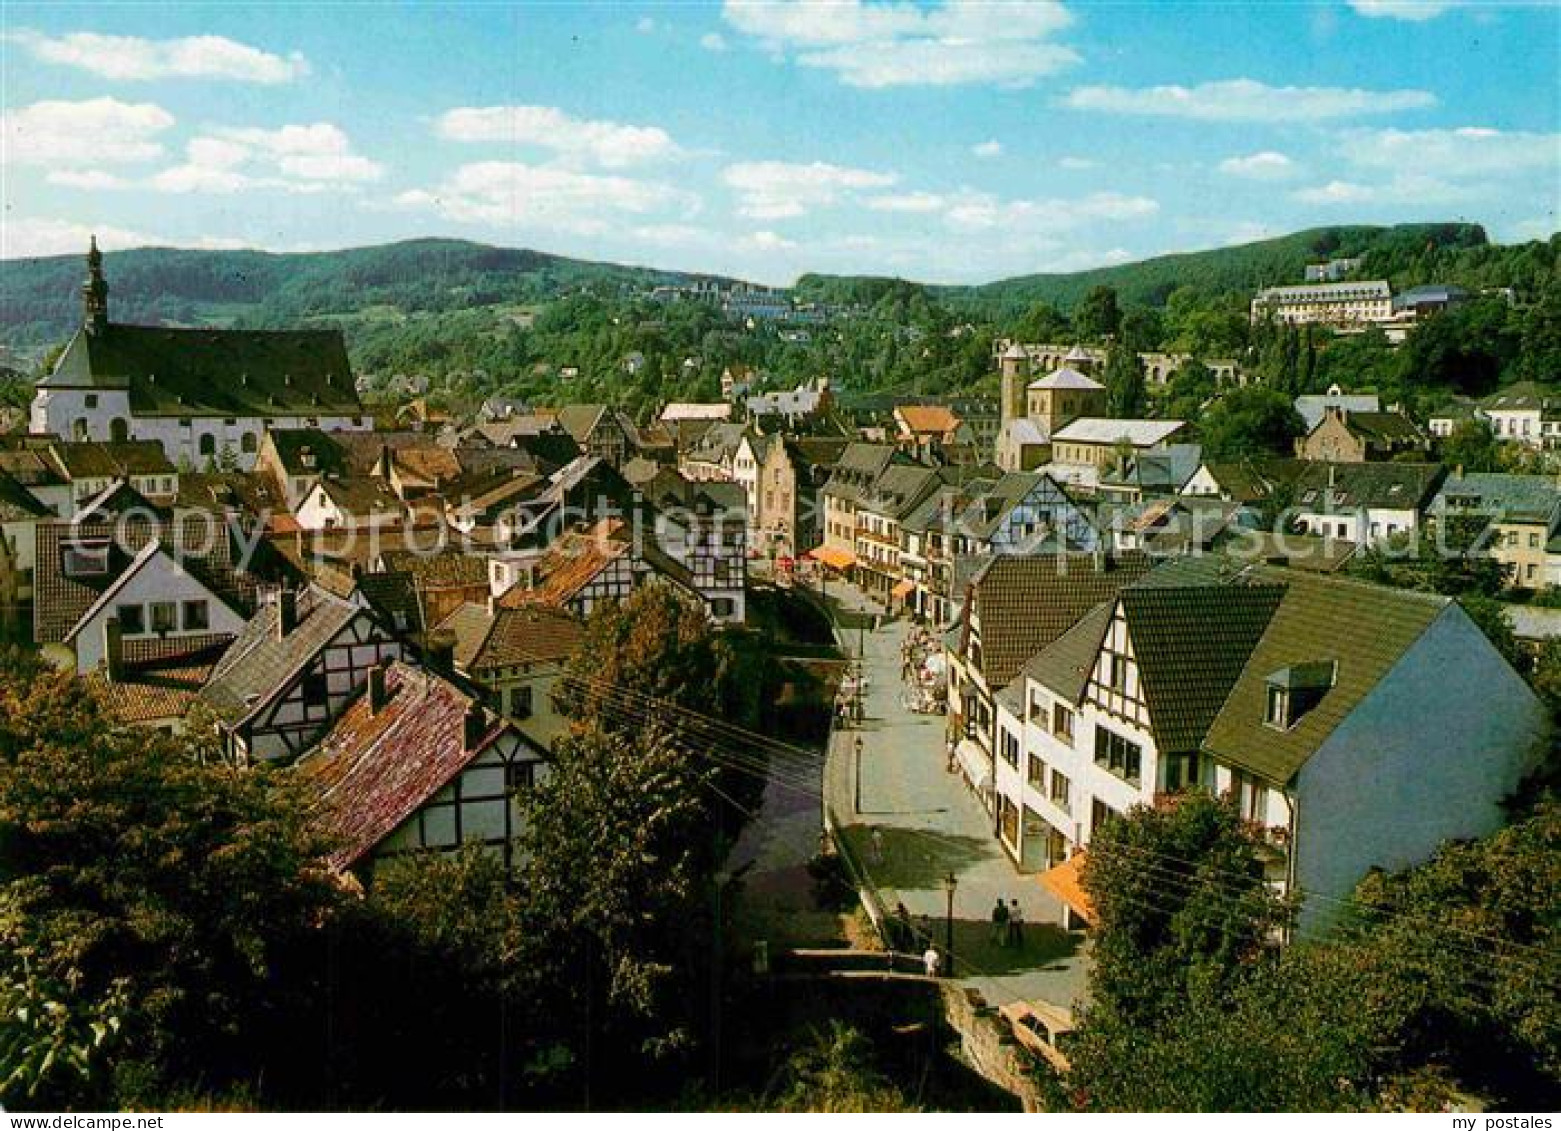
{"type": "Point", "coordinates": [1429, 755]}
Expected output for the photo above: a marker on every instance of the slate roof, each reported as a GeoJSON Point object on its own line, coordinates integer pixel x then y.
{"type": "Point", "coordinates": [1525, 395]}
{"type": "Point", "coordinates": [1364, 629]}
{"type": "Point", "coordinates": [1108, 430]}
{"type": "Point", "coordinates": [1323, 487]}
{"type": "Point", "coordinates": [507, 637]}
{"type": "Point", "coordinates": [257, 665]}
{"type": "Point", "coordinates": [373, 770]}
{"type": "Point", "coordinates": [1063, 667]}
{"type": "Point", "coordinates": [1191, 643]}
{"type": "Point", "coordinates": [59, 601]}
{"type": "Point", "coordinates": [1314, 406]}
{"type": "Point", "coordinates": [858, 468]}
{"type": "Point", "coordinates": [1024, 602]}
{"type": "Point", "coordinates": [1066, 378]}
{"type": "Point", "coordinates": [91, 459]}
{"type": "Point", "coordinates": [205, 372]}
{"type": "Point", "coordinates": [1383, 427]}
{"type": "Point", "coordinates": [1531, 498]}
{"type": "Point", "coordinates": [394, 597]}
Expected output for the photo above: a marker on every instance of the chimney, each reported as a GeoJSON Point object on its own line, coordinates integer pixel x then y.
{"type": "Point", "coordinates": [378, 696]}
{"type": "Point", "coordinates": [286, 612]}
{"type": "Point", "coordinates": [113, 649]}
{"type": "Point", "coordinates": [439, 653]}
{"type": "Point", "coordinates": [474, 726]}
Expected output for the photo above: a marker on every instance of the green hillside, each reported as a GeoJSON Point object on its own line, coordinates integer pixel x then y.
{"type": "Point", "coordinates": [39, 305]}
{"type": "Point", "coordinates": [1389, 252]}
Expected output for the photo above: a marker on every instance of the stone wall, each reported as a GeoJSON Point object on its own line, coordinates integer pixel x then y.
{"type": "Point", "coordinates": [987, 1042]}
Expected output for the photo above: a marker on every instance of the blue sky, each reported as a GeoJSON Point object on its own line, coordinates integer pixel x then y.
{"type": "Point", "coordinates": [953, 141]}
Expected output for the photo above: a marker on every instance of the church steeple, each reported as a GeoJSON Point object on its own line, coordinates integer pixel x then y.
{"type": "Point", "coordinates": [94, 292]}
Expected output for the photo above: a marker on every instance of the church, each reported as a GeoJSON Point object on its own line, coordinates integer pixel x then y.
{"type": "Point", "coordinates": [207, 396]}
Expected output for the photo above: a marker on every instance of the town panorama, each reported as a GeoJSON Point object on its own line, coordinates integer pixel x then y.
{"type": "Point", "coordinates": [810, 556]}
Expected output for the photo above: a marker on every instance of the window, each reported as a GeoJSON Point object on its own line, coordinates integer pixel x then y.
{"type": "Point", "coordinates": [520, 702]}
{"type": "Point", "coordinates": [1117, 754]}
{"type": "Point", "coordinates": [208, 444]}
{"type": "Point", "coordinates": [1250, 795]}
{"type": "Point", "coordinates": [1038, 712]}
{"type": "Point", "coordinates": [247, 443]}
{"type": "Point", "coordinates": [722, 606]}
{"type": "Point", "coordinates": [1278, 710]}
{"type": "Point", "coordinates": [1100, 815]}
{"type": "Point", "coordinates": [165, 616]}
{"type": "Point", "coordinates": [1037, 772]}
{"type": "Point", "coordinates": [1061, 788]}
{"type": "Point", "coordinates": [132, 619]}
{"type": "Point", "coordinates": [1008, 745]}
{"type": "Point", "coordinates": [119, 430]}
{"type": "Point", "coordinates": [1062, 723]}
{"type": "Point", "coordinates": [1116, 672]}
{"type": "Point", "coordinates": [316, 689]}
{"type": "Point", "coordinates": [85, 559]}
{"type": "Point", "coordinates": [91, 400]}
{"type": "Point", "coordinates": [520, 776]}
{"type": "Point", "coordinates": [197, 617]}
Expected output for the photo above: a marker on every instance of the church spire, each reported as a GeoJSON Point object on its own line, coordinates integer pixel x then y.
{"type": "Point", "coordinates": [94, 292]}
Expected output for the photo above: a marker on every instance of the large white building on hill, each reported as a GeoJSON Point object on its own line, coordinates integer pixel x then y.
{"type": "Point", "coordinates": [207, 396]}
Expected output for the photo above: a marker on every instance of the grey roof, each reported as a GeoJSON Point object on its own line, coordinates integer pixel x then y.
{"type": "Point", "coordinates": [258, 664]}
{"type": "Point", "coordinates": [205, 372]}
{"type": "Point", "coordinates": [1520, 498]}
{"type": "Point", "coordinates": [1313, 406]}
{"type": "Point", "coordinates": [1324, 487]}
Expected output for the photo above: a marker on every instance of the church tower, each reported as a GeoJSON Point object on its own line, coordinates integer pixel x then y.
{"type": "Point", "coordinates": [1015, 364]}
{"type": "Point", "coordinates": [94, 292]}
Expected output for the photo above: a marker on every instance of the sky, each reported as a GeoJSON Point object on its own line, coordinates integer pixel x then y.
{"type": "Point", "coordinates": [946, 141]}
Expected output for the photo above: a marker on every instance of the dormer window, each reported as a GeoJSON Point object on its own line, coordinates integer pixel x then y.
{"type": "Point", "coordinates": [1293, 692]}
{"type": "Point", "coordinates": [86, 558]}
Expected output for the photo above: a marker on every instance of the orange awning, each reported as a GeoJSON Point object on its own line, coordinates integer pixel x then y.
{"type": "Point", "coordinates": [1063, 882]}
{"type": "Point", "coordinates": [835, 559]}
{"type": "Point", "coordinates": [902, 590]}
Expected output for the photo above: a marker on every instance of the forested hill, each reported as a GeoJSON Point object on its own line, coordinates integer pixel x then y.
{"type": "Point", "coordinates": [39, 297]}
{"type": "Point", "coordinates": [1406, 255]}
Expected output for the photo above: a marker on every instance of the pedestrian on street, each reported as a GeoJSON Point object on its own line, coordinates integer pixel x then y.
{"type": "Point", "coordinates": [1015, 926]}
{"type": "Point", "coordinates": [932, 961]}
{"type": "Point", "coordinates": [877, 839]}
{"type": "Point", "coordinates": [1000, 922]}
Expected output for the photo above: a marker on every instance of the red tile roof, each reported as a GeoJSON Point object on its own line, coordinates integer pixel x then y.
{"type": "Point", "coordinates": [373, 770]}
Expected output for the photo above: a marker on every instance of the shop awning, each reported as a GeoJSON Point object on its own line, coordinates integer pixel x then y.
{"type": "Point", "coordinates": [835, 559]}
{"type": "Point", "coordinates": [902, 590]}
{"type": "Point", "coordinates": [974, 762]}
{"type": "Point", "coordinates": [1063, 882]}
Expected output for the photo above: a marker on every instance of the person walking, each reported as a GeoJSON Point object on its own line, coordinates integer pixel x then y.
{"type": "Point", "coordinates": [1015, 926]}
{"type": "Point", "coordinates": [877, 839]}
{"type": "Point", "coordinates": [1000, 922]}
{"type": "Point", "coordinates": [932, 961]}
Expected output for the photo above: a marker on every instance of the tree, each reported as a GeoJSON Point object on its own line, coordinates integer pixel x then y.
{"type": "Point", "coordinates": [1043, 322]}
{"type": "Point", "coordinates": [1472, 446]}
{"type": "Point", "coordinates": [1250, 421]}
{"type": "Point", "coordinates": [1098, 317]}
{"type": "Point", "coordinates": [1491, 617]}
{"type": "Point", "coordinates": [150, 890]}
{"type": "Point", "coordinates": [1126, 394]}
{"type": "Point", "coordinates": [1190, 387]}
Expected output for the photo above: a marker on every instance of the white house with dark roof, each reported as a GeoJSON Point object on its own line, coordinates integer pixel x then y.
{"type": "Point", "coordinates": [205, 395]}
{"type": "Point", "coordinates": [1339, 716]}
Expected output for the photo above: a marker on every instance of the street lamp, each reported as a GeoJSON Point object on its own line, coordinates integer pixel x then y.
{"type": "Point", "coordinates": [858, 775]}
{"type": "Point", "coordinates": [950, 882]}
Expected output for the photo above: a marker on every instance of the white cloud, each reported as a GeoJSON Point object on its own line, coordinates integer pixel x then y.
{"type": "Point", "coordinates": [713, 41]}
{"type": "Point", "coordinates": [987, 149]}
{"type": "Point", "coordinates": [24, 237]}
{"type": "Point", "coordinates": [776, 190]}
{"type": "Point", "coordinates": [293, 158]}
{"type": "Point", "coordinates": [1246, 100]}
{"type": "Point", "coordinates": [130, 58]}
{"type": "Point", "coordinates": [767, 241]}
{"type": "Point", "coordinates": [907, 202]}
{"type": "Point", "coordinates": [88, 179]}
{"type": "Point", "coordinates": [1412, 10]}
{"type": "Point", "coordinates": [645, 25]}
{"type": "Point", "coordinates": [609, 144]}
{"type": "Point", "coordinates": [1075, 164]}
{"type": "Point", "coordinates": [876, 45]}
{"type": "Point", "coordinates": [1269, 165]}
{"type": "Point", "coordinates": [100, 131]}
{"type": "Point", "coordinates": [1463, 152]}
{"type": "Point", "coordinates": [512, 194]}
{"type": "Point", "coordinates": [1398, 192]}
{"type": "Point", "coordinates": [980, 211]}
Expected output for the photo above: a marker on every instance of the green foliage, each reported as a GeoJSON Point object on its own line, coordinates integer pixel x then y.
{"type": "Point", "coordinates": [836, 1073]}
{"type": "Point", "coordinates": [1126, 393]}
{"type": "Point", "coordinates": [150, 895]}
{"type": "Point", "coordinates": [1491, 617]}
{"type": "Point", "coordinates": [1250, 421]}
{"type": "Point", "coordinates": [1472, 446]}
{"type": "Point", "coordinates": [1436, 978]}
{"type": "Point", "coordinates": [1098, 317]}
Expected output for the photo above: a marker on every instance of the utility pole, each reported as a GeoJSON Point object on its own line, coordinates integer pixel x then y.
{"type": "Point", "coordinates": [857, 777]}
{"type": "Point", "coordinates": [950, 882]}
